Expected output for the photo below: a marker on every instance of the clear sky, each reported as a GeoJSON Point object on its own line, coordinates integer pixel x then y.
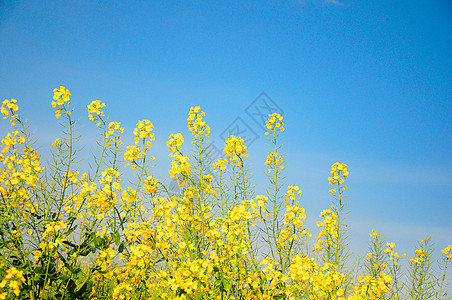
{"type": "Point", "coordinates": [367, 83]}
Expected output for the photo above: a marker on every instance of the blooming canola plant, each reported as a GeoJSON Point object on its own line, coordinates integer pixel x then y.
{"type": "Point", "coordinates": [66, 233]}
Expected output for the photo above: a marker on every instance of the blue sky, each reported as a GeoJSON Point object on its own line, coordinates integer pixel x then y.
{"type": "Point", "coordinates": [367, 83]}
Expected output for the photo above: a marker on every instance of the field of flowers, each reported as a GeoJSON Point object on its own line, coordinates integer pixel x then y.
{"type": "Point", "coordinates": [69, 234]}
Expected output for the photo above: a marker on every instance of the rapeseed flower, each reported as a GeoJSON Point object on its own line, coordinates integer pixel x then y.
{"type": "Point", "coordinates": [220, 166]}
{"type": "Point", "coordinates": [56, 142]}
{"type": "Point", "coordinates": [235, 150]}
{"type": "Point", "coordinates": [175, 142]}
{"type": "Point", "coordinates": [291, 194]}
{"type": "Point", "coordinates": [374, 234]}
{"type": "Point", "coordinates": [274, 122]}
{"type": "Point", "coordinates": [61, 97]}
{"type": "Point", "coordinates": [95, 108]}
{"type": "Point", "coordinates": [196, 125]}
{"type": "Point", "coordinates": [143, 130]}
{"type": "Point", "coordinates": [14, 279]}
{"type": "Point", "coordinates": [10, 106]}
{"type": "Point", "coordinates": [420, 256]}
{"type": "Point", "coordinates": [448, 252]}
{"type": "Point", "coordinates": [150, 185]}
{"type": "Point", "coordinates": [132, 154]}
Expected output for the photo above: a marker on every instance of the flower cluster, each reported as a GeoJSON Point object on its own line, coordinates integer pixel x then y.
{"type": "Point", "coordinates": [448, 252]}
{"type": "Point", "coordinates": [19, 168]}
{"type": "Point", "coordinates": [275, 159]}
{"type": "Point", "coordinates": [53, 228]}
{"type": "Point", "coordinates": [206, 185]}
{"type": "Point", "coordinates": [11, 139]}
{"type": "Point", "coordinates": [61, 97]}
{"type": "Point", "coordinates": [144, 129]}
{"type": "Point", "coordinates": [301, 267]}
{"type": "Point", "coordinates": [69, 176]}
{"type": "Point", "coordinates": [191, 276]}
{"type": "Point", "coordinates": [291, 194]}
{"type": "Point", "coordinates": [420, 257]}
{"type": "Point", "coordinates": [113, 134]}
{"type": "Point", "coordinates": [180, 166]}
{"type": "Point", "coordinates": [220, 166]}
{"type": "Point", "coordinates": [394, 256]}
{"type": "Point", "coordinates": [374, 234]}
{"type": "Point", "coordinates": [329, 231]}
{"type": "Point", "coordinates": [324, 282]}
{"type": "Point", "coordinates": [108, 175]}
{"type": "Point", "coordinates": [132, 154]}
{"type": "Point", "coordinates": [293, 220]}
{"type": "Point", "coordinates": [175, 142]}
{"type": "Point", "coordinates": [339, 173]}
{"type": "Point", "coordinates": [274, 122]}
{"type": "Point", "coordinates": [95, 108]}
{"type": "Point", "coordinates": [13, 281]}
{"type": "Point", "coordinates": [151, 185]}
{"type": "Point", "coordinates": [10, 106]}
{"type": "Point", "coordinates": [196, 125]}
{"type": "Point", "coordinates": [371, 288]}
{"type": "Point", "coordinates": [56, 142]}
{"type": "Point", "coordinates": [235, 150]}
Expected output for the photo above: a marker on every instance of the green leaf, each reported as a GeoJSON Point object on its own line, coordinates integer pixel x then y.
{"type": "Point", "coordinates": [71, 230]}
{"type": "Point", "coordinates": [69, 244]}
{"type": "Point", "coordinates": [98, 242]}
{"type": "Point", "coordinates": [84, 250]}
{"type": "Point", "coordinates": [121, 247]}
{"type": "Point", "coordinates": [84, 290]}
{"type": "Point", "coordinates": [116, 238]}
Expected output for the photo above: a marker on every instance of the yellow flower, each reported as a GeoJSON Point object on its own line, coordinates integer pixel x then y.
{"type": "Point", "coordinates": [235, 150]}
{"type": "Point", "coordinates": [448, 252]}
{"type": "Point", "coordinates": [415, 261]}
{"type": "Point", "coordinates": [95, 108]}
{"type": "Point", "coordinates": [196, 125]}
{"type": "Point", "coordinates": [291, 194]}
{"type": "Point", "coordinates": [274, 122]}
{"type": "Point", "coordinates": [143, 130]}
{"type": "Point", "coordinates": [150, 185]}
{"type": "Point", "coordinates": [11, 104]}
{"type": "Point", "coordinates": [56, 142]}
{"type": "Point", "coordinates": [220, 165]}
{"type": "Point", "coordinates": [132, 154]}
{"type": "Point", "coordinates": [179, 166]}
{"type": "Point", "coordinates": [175, 142]}
{"type": "Point", "coordinates": [275, 159]}
{"type": "Point", "coordinates": [67, 209]}
{"type": "Point", "coordinates": [420, 253]}
{"type": "Point", "coordinates": [374, 234]}
{"type": "Point", "coordinates": [331, 180]}
{"type": "Point", "coordinates": [58, 112]}
{"type": "Point", "coordinates": [61, 97]}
